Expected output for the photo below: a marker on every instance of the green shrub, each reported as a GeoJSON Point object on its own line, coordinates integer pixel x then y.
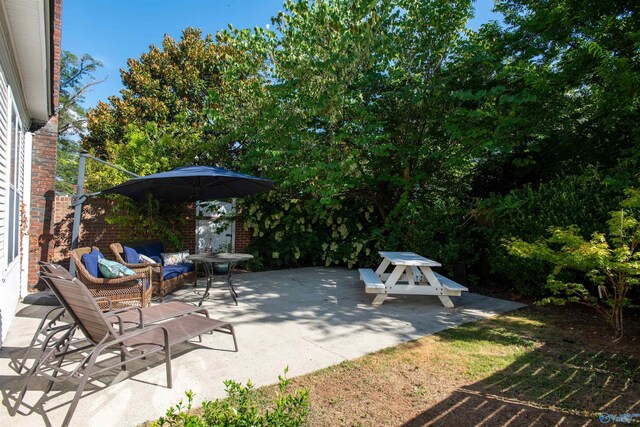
{"type": "Point", "coordinates": [151, 220]}
{"type": "Point", "coordinates": [289, 231]}
{"type": "Point", "coordinates": [527, 213]}
{"type": "Point", "coordinates": [241, 409]}
{"type": "Point", "coordinates": [438, 229]}
{"type": "Point", "coordinates": [610, 262]}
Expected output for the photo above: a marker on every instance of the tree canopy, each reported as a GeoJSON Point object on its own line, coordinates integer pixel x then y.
{"type": "Point", "coordinates": [76, 77]}
{"type": "Point", "coordinates": [388, 124]}
{"type": "Point", "coordinates": [160, 121]}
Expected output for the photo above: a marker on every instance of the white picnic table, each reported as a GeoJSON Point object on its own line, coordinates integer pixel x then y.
{"type": "Point", "coordinates": [407, 273]}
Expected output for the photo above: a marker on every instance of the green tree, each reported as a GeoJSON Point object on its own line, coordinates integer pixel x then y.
{"type": "Point", "coordinates": [159, 121]}
{"type": "Point", "coordinates": [77, 76]}
{"type": "Point", "coordinates": [545, 104]}
{"type": "Point", "coordinates": [162, 119]}
{"type": "Point", "coordinates": [553, 90]}
{"type": "Point", "coordinates": [350, 125]}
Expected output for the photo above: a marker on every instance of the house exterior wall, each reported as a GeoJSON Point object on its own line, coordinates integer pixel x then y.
{"type": "Point", "coordinates": [15, 146]}
{"type": "Point", "coordinates": [42, 196]}
{"type": "Point", "coordinates": [96, 231]}
{"type": "Point", "coordinates": [43, 180]}
{"type": "Point", "coordinates": [23, 139]}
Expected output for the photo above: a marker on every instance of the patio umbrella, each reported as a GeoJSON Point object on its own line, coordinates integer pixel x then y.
{"type": "Point", "coordinates": [192, 183]}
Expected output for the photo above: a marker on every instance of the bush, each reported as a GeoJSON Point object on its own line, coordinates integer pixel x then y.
{"type": "Point", "coordinates": [294, 231]}
{"type": "Point", "coordinates": [240, 408]}
{"type": "Point", "coordinates": [438, 228]}
{"type": "Point", "coordinates": [610, 262]}
{"type": "Point", "coordinates": [527, 213]}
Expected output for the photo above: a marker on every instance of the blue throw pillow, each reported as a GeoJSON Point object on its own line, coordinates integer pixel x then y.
{"type": "Point", "coordinates": [112, 269]}
{"type": "Point", "coordinates": [90, 262]}
{"type": "Point", "coordinates": [130, 255]}
{"type": "Point", "coordinates": [157, 259]}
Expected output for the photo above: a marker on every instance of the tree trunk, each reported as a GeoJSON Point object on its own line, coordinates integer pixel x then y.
{"type": "Point", "coordinates": [616, 311]}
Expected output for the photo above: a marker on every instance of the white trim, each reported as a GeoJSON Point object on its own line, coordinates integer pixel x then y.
{"type": "Point", "coordinates": [45, 53]}
{"type": "Point", "coordinates": [25, 241]}
{"type": "Point", "coordinates": [25, 55]}
{"type": "Point", "coordinates": [4, 172]}
{"type": "Point", "coordinates": [17, 156]}
{"type": "Point", "coordinates": [4, 267]}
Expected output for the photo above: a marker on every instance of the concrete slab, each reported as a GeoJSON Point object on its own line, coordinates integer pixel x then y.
{"type": "Point", "coordinates": [306, 319]}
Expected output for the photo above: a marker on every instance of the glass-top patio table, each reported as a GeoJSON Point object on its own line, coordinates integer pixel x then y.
{"type": "Point", "coordinates": [209, 260]}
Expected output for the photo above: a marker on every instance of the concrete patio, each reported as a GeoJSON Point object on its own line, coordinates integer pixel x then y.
{"type": "Point", "coordinates": [306, 319]}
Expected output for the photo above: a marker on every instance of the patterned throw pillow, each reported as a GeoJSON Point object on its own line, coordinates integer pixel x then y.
{"type": "Point", "coordinates": [146, 260]}
{"type": "Point", "coordinates": [174, 258]}
{"type": "Point", "coordinates": [112, 269]}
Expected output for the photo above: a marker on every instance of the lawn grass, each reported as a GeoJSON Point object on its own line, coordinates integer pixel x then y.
{"type": "Point", "coordinates": [543, 366]}
{"type": "Point", "coordinates": [519, 368]}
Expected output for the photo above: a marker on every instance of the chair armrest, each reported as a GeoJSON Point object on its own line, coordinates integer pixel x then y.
{"type": "Point", "coordinates": [94, 281]}
{"type": "Point", "coordinates": [105, 299]}
{"type": "Point", "coordinates": [133, 333]}
{"type": "Point", "coordinates": [116, 314]}
{"type": "Point", "coordinates": [141, 265]}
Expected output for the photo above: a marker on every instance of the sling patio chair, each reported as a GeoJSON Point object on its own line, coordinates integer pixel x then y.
{"type": "Point", "coordinates": [126, 318]}
{"type": "Point", "coordinates": [133, 344]}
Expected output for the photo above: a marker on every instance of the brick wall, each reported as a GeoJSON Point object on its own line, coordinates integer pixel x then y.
{"type": "Point", "coordinates": [43, 179]}
{"type": "Point", "coordinates": [243, 237]}
{"type": "Point", "coordinates": [95, 231]}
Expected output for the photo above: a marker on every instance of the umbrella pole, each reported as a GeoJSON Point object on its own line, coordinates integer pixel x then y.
{"type": "Point", "coordinates": [78, 200]}
{"type": "Point", "coordinates": [80, 197]}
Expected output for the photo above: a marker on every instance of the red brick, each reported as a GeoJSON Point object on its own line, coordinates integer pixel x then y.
{"type": "Point", "coordinates": [43, 178]}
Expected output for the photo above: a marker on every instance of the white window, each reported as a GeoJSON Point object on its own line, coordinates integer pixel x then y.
{"type": "Point", "coordinates": [15, 156]}
{"type": "Point", "coordinates": [12, 154]}
{"type": "Point", "coordinates": [4, 167]}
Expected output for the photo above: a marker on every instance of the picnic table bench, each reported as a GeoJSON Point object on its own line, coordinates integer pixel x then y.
{"type": "Point", "coordinates": [410, 274]}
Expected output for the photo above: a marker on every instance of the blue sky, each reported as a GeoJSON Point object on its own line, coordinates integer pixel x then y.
{"type": "Point", "coordinates": [116, 30]}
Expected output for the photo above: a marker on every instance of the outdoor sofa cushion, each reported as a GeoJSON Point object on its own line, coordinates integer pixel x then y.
{"type": "Point", "coordinates": [91, 260]}
{"type": "Point", "coordinates": [171, 271]}
{"type": "Point", "coordinates": [151, 249]}
{"type": "Point", "coordinates": [145, 259]}
{"type": "Point", "coordinates": [165, 278]}
{"type": "Point", "coordinates": [155, 251]}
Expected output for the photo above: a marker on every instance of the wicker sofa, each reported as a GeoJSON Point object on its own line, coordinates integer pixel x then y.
{"type": "Point", "coordinates": [165, 279]}
{"type": "Point", "coordinates": [133, 291]}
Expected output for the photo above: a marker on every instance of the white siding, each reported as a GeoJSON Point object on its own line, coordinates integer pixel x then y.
{"type": "Point", "coordinates": [12, 186]}
{"type": "Point", "coordinates": [4, 172]}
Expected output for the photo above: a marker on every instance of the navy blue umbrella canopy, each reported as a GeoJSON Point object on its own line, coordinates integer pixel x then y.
{"type": "Point", "coordinates": [192, 183]}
